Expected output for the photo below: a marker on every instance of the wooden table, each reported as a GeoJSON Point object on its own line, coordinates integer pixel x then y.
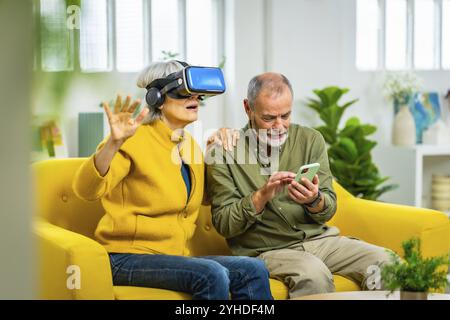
{"type": "Point", "coordinates": [367, 295]}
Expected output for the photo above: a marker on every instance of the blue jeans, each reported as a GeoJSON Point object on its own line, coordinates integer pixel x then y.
{"type": "Point", "coordinates": [207, 278]}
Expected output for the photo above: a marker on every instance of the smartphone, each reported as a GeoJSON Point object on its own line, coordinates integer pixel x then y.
{"type": "Point", "coordinates": [307, 171]}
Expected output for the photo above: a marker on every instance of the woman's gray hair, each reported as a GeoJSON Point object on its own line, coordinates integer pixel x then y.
{"type": "Point", "coordinates": [156, 70]}
{"type": "Point", "coordinates": [274, 83]}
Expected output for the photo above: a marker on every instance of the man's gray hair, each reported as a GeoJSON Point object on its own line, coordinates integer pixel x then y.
{"type": "Point", "coordinates": [156, 70]}
{"type": "Point", "coordinates": [275, 84]}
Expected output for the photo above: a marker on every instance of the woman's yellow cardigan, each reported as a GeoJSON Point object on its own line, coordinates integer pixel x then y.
{"type": "Point", "coordinates": [143, 193]}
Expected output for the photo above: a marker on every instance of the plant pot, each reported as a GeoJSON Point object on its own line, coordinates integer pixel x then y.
{"type": "Point", "coordinates": [404, 130]}
{"type": "Point", "coordinates": [413, 295]}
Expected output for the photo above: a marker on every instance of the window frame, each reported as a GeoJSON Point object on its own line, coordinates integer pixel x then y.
{"type": "Point", "coordinates": [219, 34]}
{"type": "Point", "coordinates": [410, 8]}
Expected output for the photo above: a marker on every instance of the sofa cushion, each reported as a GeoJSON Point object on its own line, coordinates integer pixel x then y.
{"type": "Point", "coordinates": [141, 293]}
{"type": "Point", "coordinates": [279, 291]}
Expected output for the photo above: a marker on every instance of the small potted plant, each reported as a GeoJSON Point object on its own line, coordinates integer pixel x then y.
{"type": "Point", "coordinates": [414, 276]}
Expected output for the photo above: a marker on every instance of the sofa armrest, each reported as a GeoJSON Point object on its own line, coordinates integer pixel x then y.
{"type": "Point", "coordinates": [387, 225]}
{"type": "Point", "coordinates": [58, 249]}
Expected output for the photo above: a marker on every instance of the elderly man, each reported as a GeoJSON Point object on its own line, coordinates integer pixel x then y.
{"type": "Point", "coordinates": [275, 218]}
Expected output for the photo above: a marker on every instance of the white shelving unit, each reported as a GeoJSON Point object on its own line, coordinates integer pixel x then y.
{"type": "Point", "coordinates": [412, 169]}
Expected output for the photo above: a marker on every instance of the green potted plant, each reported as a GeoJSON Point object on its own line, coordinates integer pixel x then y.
{"type": "Point", "coordinates": [414, 276]}
{"type": "Point", "coordinates": [349, 149]}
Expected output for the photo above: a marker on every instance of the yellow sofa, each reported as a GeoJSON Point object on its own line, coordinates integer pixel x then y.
{"type": "Point", "coordinates": [65, 225]}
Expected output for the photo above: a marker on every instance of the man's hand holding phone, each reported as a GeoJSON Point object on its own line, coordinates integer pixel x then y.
{"type": "Point", "coordinates": [273, 186]}
{"type": "Point", "coordinates": [304, 192]}
{"type": "Point", "coordinates": [304, 189]}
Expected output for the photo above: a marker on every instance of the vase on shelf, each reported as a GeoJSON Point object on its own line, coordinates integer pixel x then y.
{"type": "Point", "coordinates": [404, 128]}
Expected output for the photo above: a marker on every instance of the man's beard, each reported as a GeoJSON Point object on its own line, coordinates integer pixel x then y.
{"type": "Point", "coordinates": [270, 137]}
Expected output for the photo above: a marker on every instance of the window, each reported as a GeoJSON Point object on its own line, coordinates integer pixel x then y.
{"type": "Point", "coordinates": [125, 35]}
{"type": "Point", "coordinates": [165, 28]}
{"type": "Point", "coordinates": [446, 34]}
{"type": "Point", "coordinates": [94, 50]}
{"type": "Point", "coordinates": [56, 38]}
{"type": "Point", "coordinates": [367, 35]}
{"type": "Point", "coordinates": [129, 32]}
{"type": "Point", "coordinates": [424, 34]}
{"type": "Point", "coordinates": [199, 32]}
{"type": "Point", "coordinates": [410, 34]}
{"type": "Point", "coordinates": [396, 34]}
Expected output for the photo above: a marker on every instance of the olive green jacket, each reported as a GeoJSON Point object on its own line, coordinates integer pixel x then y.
{"type": "Point", "coordinates": [230, 185]}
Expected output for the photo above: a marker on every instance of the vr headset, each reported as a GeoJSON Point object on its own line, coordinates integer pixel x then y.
{"type": "Point", "coordinates": [191, 80]}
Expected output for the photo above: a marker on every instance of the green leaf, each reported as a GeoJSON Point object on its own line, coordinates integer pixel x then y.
{"type": "Point", "coordinates": [364, 182]}
{"type": "Point", "coordinates": [349, 146]}
{"type": "Point", "coordinates": [348, 104]}
{"type": "Point", "coordinates": [331, 116]}
{"type": "Point", "coordinates": [348, 131]}
{"type": "Point", "coordinates": [334, 93]}
{"type": "Point", "coordinates": [340, 166]}
{"type": "Point", "coordinates": [314, 104]}
{"type": "Point", "coordinates": [368, 129]}
{"type": "Point", "coordinates": [353, 121]}
{"type": "Point", "coordinates": [323, 97]}
{"type": "Point", "coordinates": [328, 134]}
{"type": "Point", "coordinates": [366, 148]}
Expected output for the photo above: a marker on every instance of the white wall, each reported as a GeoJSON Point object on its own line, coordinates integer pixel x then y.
{"type": "Point", "coordinates": [312, 42]}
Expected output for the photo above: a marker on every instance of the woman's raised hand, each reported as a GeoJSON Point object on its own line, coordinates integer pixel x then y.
{"type": "Point", "coordinates": [121, 122]}
{"type": "Point", "coordinates": [226, 137]}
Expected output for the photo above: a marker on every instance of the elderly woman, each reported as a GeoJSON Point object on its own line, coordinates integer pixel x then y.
{"type": "Point", "coordinates": [151, 189]}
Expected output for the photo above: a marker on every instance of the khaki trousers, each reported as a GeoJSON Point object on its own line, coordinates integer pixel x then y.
{"type": "Point", "coordinates": [307, 268]}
